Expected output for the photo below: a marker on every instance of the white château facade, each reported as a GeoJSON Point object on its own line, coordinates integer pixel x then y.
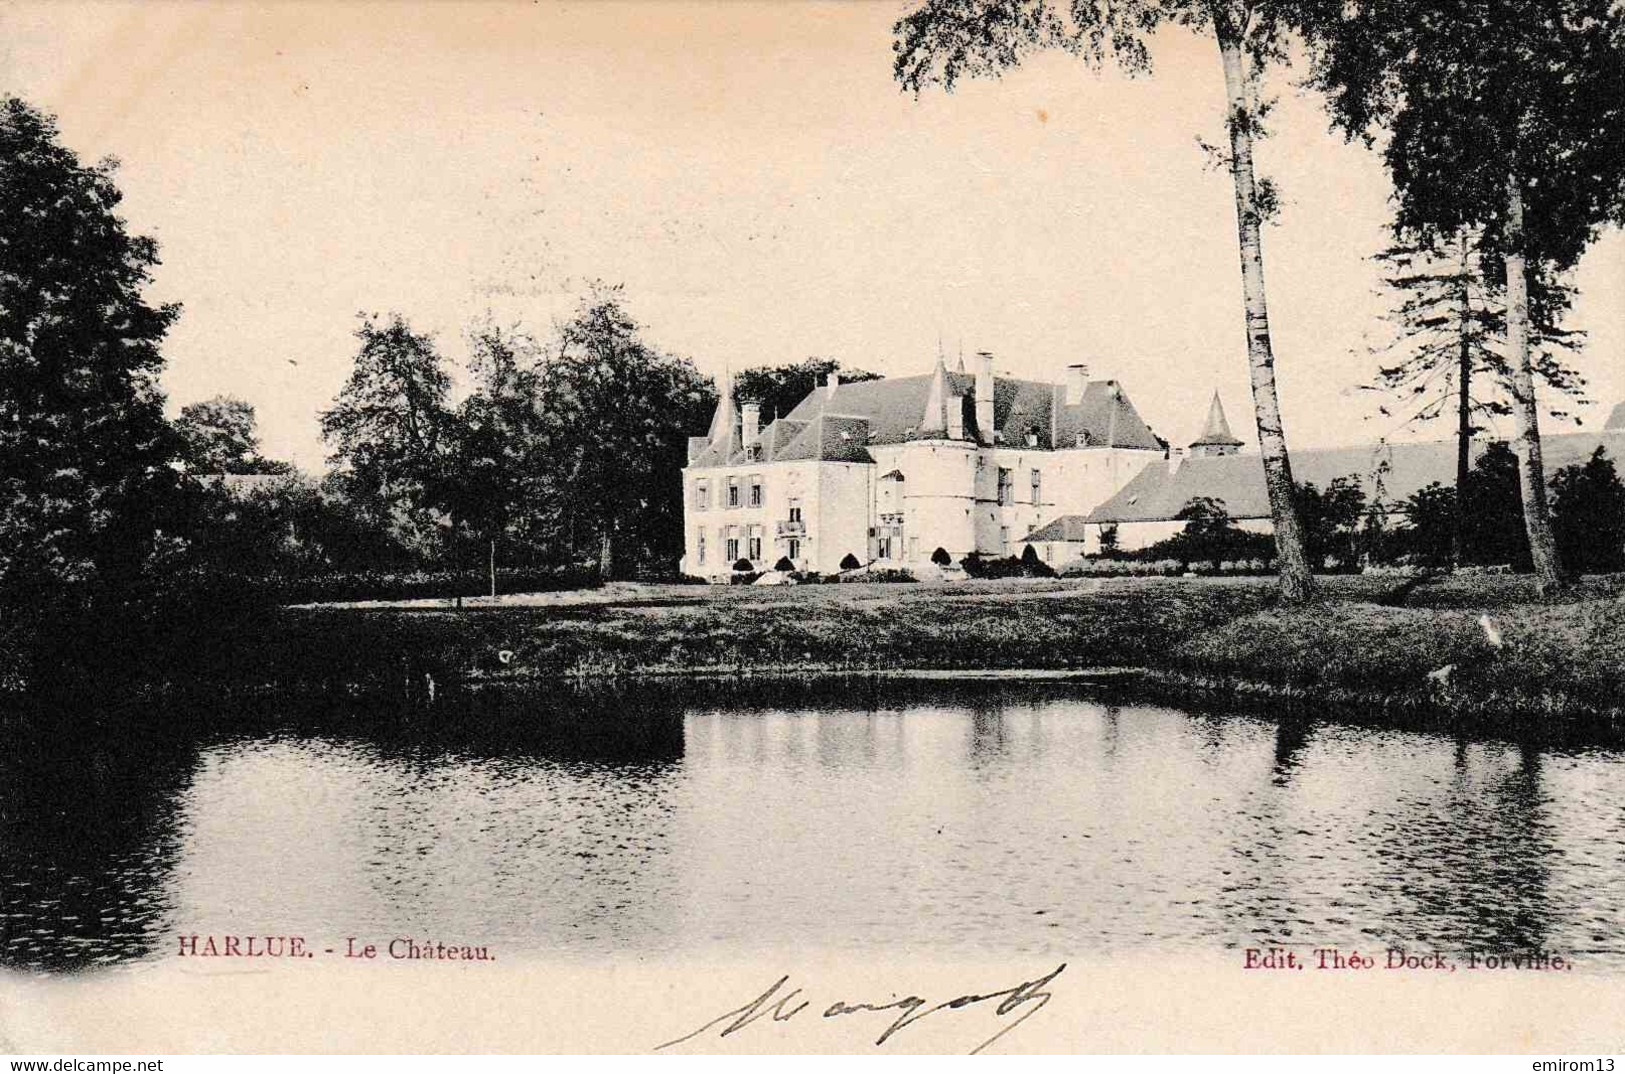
{"type": "Point", "coordinates": [888, 471]}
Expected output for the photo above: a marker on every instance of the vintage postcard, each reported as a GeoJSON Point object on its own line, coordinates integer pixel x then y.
{"type": "Point", "coordinates": [912, 526]}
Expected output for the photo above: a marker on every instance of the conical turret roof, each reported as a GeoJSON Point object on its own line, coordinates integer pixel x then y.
{"type": "Point", "coordinates": [724, 422]}
{"type": "Point", "coordinates": [1217, 430]}
{"type": "Point", "coordinates": [935, 418]}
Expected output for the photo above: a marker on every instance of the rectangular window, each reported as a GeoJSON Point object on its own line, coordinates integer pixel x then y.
{"type": "Point", "coordinates": [883, 548]}
{"type": "Point", "coordinates": [756, 492]}
{"type": "Point", "coordinates": [699, 546]}
{"type": "Point", "coordinates": [702, 494]}
{"type": "Point", "coordinates": [733, 492]}
{"type": "Point", "coordinates": [913, 548]}
{"type": "Point", "coordinates": [795, 548]}
{"type": "Point", "coordinates": [795, 512]}
{"type": "Point", "coordinates": [1004, 540]}
{"type": "Point", "coordinates": [733, 550]}
{"type": "Point", "coordinates": [1038, 488]}
{"type": "Point", "coordinates": [1006, 485]}
{"type": "Point", "coordinates": [753, 544]}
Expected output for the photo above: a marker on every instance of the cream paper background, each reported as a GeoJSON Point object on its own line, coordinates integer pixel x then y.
{"type": "Point", "coordinates": [753, 175]}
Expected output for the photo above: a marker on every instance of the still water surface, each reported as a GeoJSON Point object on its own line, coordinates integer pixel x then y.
{"type": "Point", "coordinates": [938, 820]}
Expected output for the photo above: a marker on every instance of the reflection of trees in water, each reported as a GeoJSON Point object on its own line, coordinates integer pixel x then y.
{"type": "Point", "coordinates": [87, 835]}
{"type": "Point", "coordinates": [1479, 862]}
{"type": "Point", "coordinates": [1291, 735]}
{"type": "Point", "coordinates": [989, 741]}
{"type": "Point", "coordinates": [92, 804]}
{"type": "Point", "coordinates": [1261, 899]}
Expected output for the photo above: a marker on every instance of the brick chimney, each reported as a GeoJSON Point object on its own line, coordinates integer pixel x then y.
{"type": "Point", "coordinates": [750, 419]}
{"type": "Point", "coordinates": [984, 395]}
{"type": "Point", "coordinates": [1077, 379]}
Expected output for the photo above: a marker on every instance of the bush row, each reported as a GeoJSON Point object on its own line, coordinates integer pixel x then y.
{"type": "Point", "coordinates": [423, 585]}
{"type": "Point", "coordinates": [1140, 568]}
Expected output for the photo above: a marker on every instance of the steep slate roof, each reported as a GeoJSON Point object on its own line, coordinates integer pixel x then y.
{"type": "Point", "coordinates": [895, 407]}
{"type": "Point", "coordinates": [1065, 528]}
{"type": "Point", "coordinates": [1155, 495]}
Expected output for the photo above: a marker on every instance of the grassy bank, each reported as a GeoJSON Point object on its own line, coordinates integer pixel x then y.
{"type": "Point", "coordinates": [1380, 642]}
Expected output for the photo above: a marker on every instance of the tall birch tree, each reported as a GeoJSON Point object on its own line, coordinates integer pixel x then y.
{"type": "Point", "coordinates": [943, 41]}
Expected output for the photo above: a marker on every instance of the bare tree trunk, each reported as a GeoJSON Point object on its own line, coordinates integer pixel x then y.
{"type": "Point", "coordinates": [1537, 518]}
{"type": "Point", "coordinates": [1292, 560]}
{"type": "Point", "coordinates": [606, 550]}
{"type": "Point", "coordinates": [1464, 406]}
{"type": "Point", "coordinates": [493, 564]}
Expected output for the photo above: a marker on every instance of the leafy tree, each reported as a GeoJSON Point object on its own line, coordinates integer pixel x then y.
{"type": "Point", "coordinates": [1495, 531]}
{"type": "Point", "coordinates": [386, 427]}
{"type": "Point", "coordinates": [944, 40]}
{"type": "Point", "coordinates": [1331, 519]}
{"type": "Point", "coordinates": [1588, 515]}
{"type": "Point", "coordinates": [1428, 537]}
{"type": "Point", "coordinates": [492, 442]}
{"type": "Point", "coordinates": [1444, 353]}
{"type": "Point", "coordinates": [616, 414]}
{"type": "Point", "coordinates": [779, 389]}
{"type": "Point", "coordinates": [1500, 116]}
{"type": "Point", "coordinates": [87, 486]}
{"type": "Point", "coordinates": [221, 436]}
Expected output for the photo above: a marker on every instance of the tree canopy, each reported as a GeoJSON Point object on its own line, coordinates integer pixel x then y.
{"type": "Point", "coordinates": [385, 428]}
{"type": "Point", "coordinates": [221, 436]}
{"type": "Point", "coordinates": [88, 475]}
{"type": "Point", "coordinates": [617, 413]}
{"type": "Point", "coordinates": [778, 389]}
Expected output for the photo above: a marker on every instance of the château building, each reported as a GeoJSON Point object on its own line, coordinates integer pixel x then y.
{"type": "Point", "coordinates": [885, 473]}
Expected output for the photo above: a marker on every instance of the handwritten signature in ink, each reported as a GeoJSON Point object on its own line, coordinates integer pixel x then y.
{"type": "Point", "coordinates": [1025, 999]}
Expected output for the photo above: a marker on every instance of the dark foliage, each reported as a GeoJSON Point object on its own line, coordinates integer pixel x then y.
{"type": "Point", "coordinates": [1210, 536]}
{"type": "Point", "coordinates": [90, 499]}
{"type": "Point", "coordinates": [778, 389]}
{"type": "Point", "coordinates": [1588, 515]}
{"type": "Point", "coordinates": [221, 436]}
{"type": "Point", "coordinates": [1332, 522]}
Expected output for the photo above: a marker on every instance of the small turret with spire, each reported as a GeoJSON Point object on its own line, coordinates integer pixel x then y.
{"type": "Point", "coordinates": [725, 423]}
{"type": "Point", "coordinates": [1216, 438]}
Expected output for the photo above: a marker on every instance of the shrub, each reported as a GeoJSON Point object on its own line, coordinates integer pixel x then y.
{"type": "Point", "coordinates": [744, 565]}
{"type": "Point", "coordinates": [422, 585]}
{"type": "Point", "coordinates": [784, 564]}
{"type": "Point", "coordinates": [849, 562]}
{"type": "Point", "coordinates": [941, 557]}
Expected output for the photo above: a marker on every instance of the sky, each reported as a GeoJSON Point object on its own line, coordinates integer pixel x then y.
{"type": "Point", "coordinates": [749, 172]}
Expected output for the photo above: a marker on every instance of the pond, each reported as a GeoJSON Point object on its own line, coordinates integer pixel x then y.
{"type": "Point", "coordinates": [947, 819]}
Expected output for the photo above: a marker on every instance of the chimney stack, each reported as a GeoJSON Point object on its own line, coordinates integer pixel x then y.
{"type": "Point", "coordinates": [1077, 378]}
{"type": "Point", "coordinates": [750, 416]}
{"type": "Point", "coordinates": [831, 382]}
{"type": "Point", "coordinates": [984, 395]}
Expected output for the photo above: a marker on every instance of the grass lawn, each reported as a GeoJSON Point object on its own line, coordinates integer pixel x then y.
{"type": "Point", "coordinates": [1368, 640]}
